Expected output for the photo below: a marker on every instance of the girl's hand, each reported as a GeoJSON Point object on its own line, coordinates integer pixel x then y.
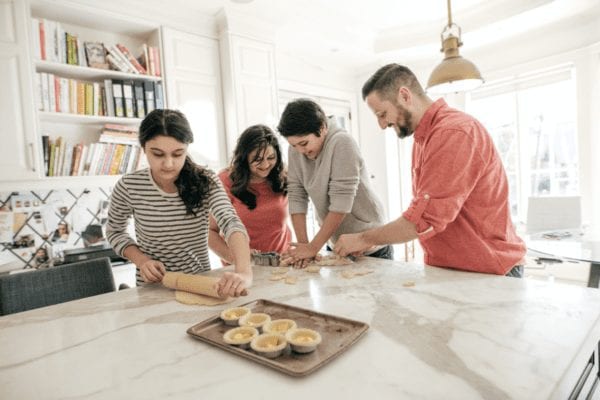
{"type": "Point", "coordinates": [234, 284]}
{"type": "Point", "coordinates": [152, 270]}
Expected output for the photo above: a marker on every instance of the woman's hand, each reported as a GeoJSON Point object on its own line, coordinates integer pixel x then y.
{"type": "Point", "coordinates": [234, 283]}
{"type": "Point", "coordinates": [152, 270]}
{"type": "Point", "coordinates": [300, 254]}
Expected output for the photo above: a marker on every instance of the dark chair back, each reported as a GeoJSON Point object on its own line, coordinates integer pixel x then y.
{"type": "Point", "coordinates": [29, 290]}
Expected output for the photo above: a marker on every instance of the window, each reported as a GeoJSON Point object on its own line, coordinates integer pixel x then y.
{"type": "Point", "coordinates": [532, 119]}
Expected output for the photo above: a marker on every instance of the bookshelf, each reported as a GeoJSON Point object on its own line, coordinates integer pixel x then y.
{"type": "Point", "coordinates": [74, 102]}
{"type": "Point", "coordinates": [190, 77]}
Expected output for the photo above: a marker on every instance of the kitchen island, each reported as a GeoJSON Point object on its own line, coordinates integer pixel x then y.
{"type": "Point", "coordinates": [434, 333]}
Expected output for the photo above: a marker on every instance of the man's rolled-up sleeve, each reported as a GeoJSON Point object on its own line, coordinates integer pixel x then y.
{"type": "Point", "coordinates": [449, 171]}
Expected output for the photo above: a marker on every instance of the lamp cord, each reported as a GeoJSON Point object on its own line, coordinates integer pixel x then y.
{"type": "Point", "coordinates": [449, 14]}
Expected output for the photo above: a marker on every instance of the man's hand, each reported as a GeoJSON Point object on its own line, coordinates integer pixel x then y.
{"type": "Point", "coordinates": [351, 244]}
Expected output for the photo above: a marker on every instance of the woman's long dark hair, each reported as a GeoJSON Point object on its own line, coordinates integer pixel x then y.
{"type": "Point", "coordinates": [193, 183]}
{"type": "Point", "coordinates": [256, 137]}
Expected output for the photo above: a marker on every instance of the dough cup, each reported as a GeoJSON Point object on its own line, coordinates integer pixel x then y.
{"type": "Point", "coordinates": [256, 320]}
{"type": "Point", "coordinates": [231, 316]}
{"type": "Point", "coordinates": [269, 345]}
{"type": "Point", "coordinates": [303, 340]}
{"type": "Point", "coordinates": [241, 336]}
{"type": "Point", "coordinates": [280, 326]}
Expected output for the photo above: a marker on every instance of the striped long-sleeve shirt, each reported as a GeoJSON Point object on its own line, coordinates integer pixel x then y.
{"type": "Point", "coordinates": [163, 229]}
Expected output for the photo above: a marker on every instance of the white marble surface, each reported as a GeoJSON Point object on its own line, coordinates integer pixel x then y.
{"type": "Point", "coordinates": [453, 335]}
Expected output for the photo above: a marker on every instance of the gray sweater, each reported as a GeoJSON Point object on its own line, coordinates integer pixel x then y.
{"type": "Point", "coordinates": [336, 181]}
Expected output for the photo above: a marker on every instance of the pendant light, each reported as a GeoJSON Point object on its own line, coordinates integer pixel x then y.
{"type": "Point", "coordinates": [454, 73]}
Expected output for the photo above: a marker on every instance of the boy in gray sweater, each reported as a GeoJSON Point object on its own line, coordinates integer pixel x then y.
{"type": "Point", "coordinates": [325, 165]}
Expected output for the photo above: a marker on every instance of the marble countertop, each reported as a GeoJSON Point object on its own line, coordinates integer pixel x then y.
{"type": "Point", "coordinates": [453, 335]}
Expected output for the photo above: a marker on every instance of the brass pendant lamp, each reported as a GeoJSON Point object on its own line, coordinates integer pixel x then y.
{"type": "Point", "coordinates": [454, 73]}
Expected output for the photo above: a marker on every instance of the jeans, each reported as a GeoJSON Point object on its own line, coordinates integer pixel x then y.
{"type": "Point", "coordinates": [386, 252]}
{"type": "Point", "coordinates": [516, 272]}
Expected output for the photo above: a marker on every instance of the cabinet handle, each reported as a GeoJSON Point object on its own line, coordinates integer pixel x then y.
{"type": "Point", "coordinates": [32, 153]}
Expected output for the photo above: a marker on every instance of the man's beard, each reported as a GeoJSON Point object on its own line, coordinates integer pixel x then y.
{"type": "Point", "coordinates": [403, 130]}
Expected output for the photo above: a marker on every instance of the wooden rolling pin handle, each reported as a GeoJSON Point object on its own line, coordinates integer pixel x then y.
{"type": "Point", "coordinates": [205, 285]}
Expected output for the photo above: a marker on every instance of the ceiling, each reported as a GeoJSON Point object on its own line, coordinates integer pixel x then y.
{"type": "Point", "coordinates": [356, 32]}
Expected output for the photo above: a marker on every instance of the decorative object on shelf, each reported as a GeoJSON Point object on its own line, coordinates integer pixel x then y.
{"type": "Point", "coordinates": [96, 55]}
{"type": "Point", "coordinates": [454, 73]}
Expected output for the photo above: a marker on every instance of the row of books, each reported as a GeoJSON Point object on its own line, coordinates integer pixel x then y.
{"type": "Point", "coordinates": [66, 159]}
{"type": "Point", "coordinates": [52, 43]}
{"type": "Point", "coordinates": [113, 97]}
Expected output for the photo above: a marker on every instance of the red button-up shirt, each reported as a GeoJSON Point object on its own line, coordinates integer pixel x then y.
{"type": "Point", "coordinates": [460, 205]}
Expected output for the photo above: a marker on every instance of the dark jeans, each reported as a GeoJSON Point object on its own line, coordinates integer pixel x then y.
{"type": "Point", "coordinates": [516, 272]}
{"type": "Point", "coordinates": [386, 252]}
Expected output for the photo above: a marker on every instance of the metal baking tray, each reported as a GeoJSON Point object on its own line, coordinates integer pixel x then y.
{"type": "Point", "coordinates": [338, 335]}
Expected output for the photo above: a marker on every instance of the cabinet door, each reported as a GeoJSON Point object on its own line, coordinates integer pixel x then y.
{"type": "Point", "coordinates": [193, 86]}
{"type": "Point", "coordinates": [18, 149]}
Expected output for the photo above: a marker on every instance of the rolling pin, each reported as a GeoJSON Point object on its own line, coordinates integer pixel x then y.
{"type": "Point", "coordinates": [205, 285]}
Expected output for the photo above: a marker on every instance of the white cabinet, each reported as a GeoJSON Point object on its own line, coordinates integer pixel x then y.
{"type": "Point", "coordinates": [193, 82]}
{"type": "Point", "coordinates": [18, 150]}
{"type": "Point", "coordinates": [250, 90]}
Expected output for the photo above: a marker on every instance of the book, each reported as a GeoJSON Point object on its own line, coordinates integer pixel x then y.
{"type": "Point", "coordinates": [109, 99]}
{"type": "Point", "coordinates": [64, 95]}
{"type": "Point", "coordinates": [157, 69]}
{"type": "Point", "coordinates": [42, 34]}
{"type": "Point", "coordinates": [51, 93]}
{"type": "Point", "coordinates": [76, 159]}
{"type": "Point", "coordinates": [149, 96]}
{"type": "Point", "coordinates": [80, 97]}
{"type": "Point", "coordinates": [117, 88]}
{"type": "Point", "coordinates": [96, 55]}
{"type": "Point", "coordinates": [82, 160]}
{"type": "Point", "coordinates": [89, 99]}
{"type": "Point", "coordinates": [97, 101]}
{"type": "Point", "coordinates": [117, 157]}
{"type": "Point", "coordinates": [128, 98]}
{"type": "Point", "coordinates": [126, 65]}
{"type": "Point", "coordinates": [120, 128]}
{"type": "Point", "coordinates": [138, 91]}
{"type": "Point", "coordinates": [73, 96]}
{"type": "Point", "coordinates": [159, 97]}
{"type": "Point", "coordinates": [46, 148]}
{"type": "Point", "coordinates": [132, 60]}
{"type": "Point", "coordinates": [52, 144]}
{"type": "Point", "coordinates": [115, 64]}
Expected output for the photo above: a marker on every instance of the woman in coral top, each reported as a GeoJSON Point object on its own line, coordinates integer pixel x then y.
{"type": "Point", "coordinates": [256, 183]}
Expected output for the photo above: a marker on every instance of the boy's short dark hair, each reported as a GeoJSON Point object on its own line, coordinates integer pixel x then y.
{"type": "Point", "coordinates": [302, 117]}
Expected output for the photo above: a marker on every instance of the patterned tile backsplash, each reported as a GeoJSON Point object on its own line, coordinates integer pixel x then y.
{"type": "Point", "coordinates": [37, 226]}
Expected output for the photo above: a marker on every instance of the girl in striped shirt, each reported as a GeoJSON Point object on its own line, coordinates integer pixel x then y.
{"type": "Point", "coordinates": [171, 203]}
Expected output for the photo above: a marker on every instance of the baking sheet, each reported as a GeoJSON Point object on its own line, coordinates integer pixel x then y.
{"type": "Point", "coordinates": [338, 335]}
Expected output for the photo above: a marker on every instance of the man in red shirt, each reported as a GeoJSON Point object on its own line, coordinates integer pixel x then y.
{"type": "Point", "coordinates": [460, 209]}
